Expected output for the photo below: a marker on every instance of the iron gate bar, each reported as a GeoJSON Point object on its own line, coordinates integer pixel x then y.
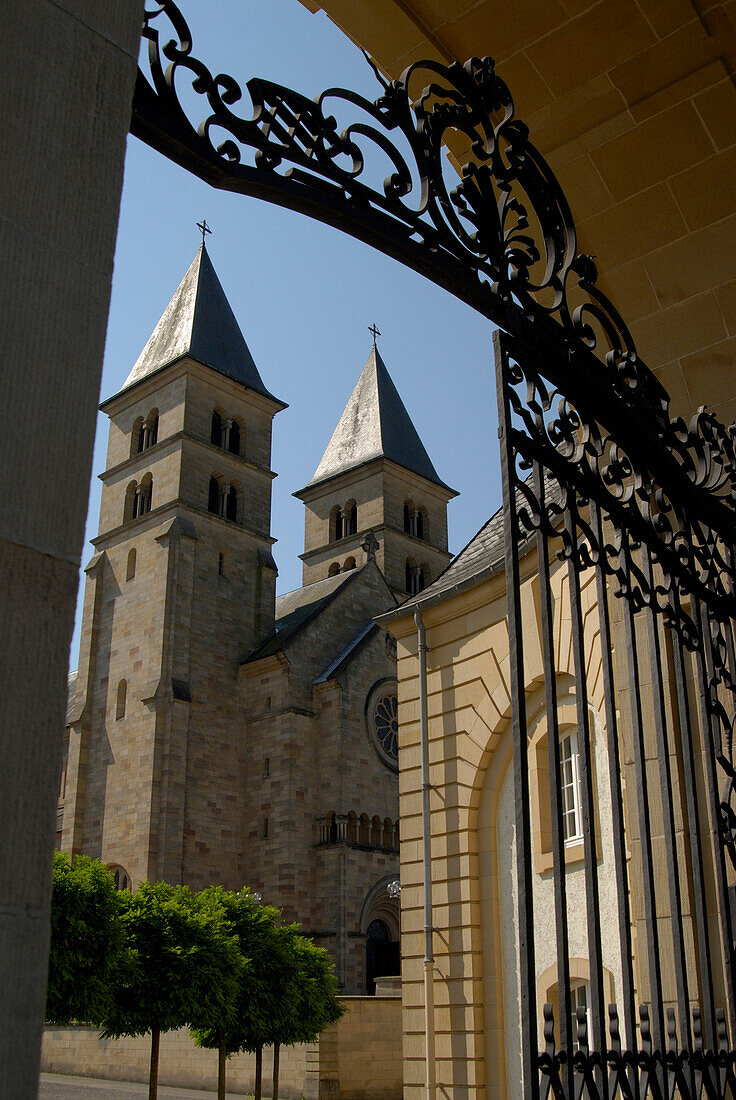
{"type": "Point", "coordinates": [592, 899]}
{"type": "Point", "coordinates": [617, 808]}
{"type": "Point", "coordinates": [710, 723]}
{"type": "Point", "coordinates": [665, 786]}
{"type": "Point", "coordinates": [553, 765]}
{"type": "Point", "coordinates": [517, 689]}
{"type": "Point", "coordinates": [694, 831]}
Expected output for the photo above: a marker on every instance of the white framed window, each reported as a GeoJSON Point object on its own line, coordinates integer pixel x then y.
{"type": "Point", "coordinates": [572, 821]}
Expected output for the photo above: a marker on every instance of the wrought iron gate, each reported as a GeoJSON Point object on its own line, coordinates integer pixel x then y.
{"type": "Point", "coordinates": [619, 518]}
{"type": "Point", "coordinates": [644, 509]}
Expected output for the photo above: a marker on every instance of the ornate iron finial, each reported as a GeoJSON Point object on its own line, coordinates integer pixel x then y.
{"type": "Point", "coordinates": [370, 545]}
{"type": "Point", "coordinates": [376, 332]}
{"type": "Point", "coordinates": [204, 227]}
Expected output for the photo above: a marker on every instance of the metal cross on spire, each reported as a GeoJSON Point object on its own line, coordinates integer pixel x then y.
{"type": "Point", "coordinates": [204, 227]}
{"type": "Point", "coordinates": [376, 332]}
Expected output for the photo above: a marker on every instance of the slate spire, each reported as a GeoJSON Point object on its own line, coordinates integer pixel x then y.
{"type": "Point", "coordinates": [375, 424]}
{"type": "Point", "coordinates": [199, 322]}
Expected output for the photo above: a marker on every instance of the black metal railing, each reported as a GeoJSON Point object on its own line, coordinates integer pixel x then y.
{"type": "Point", "coordinates": [644, 510]}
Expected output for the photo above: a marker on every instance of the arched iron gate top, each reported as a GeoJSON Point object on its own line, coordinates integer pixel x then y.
{"type": "Point", "coordinates": [502, 239]}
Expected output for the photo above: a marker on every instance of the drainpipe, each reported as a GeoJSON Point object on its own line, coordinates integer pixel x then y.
{"type": "Point", "coordinates": [426, 862]}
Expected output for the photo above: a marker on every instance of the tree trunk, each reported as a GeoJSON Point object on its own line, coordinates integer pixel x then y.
{"type": "Point", "coordinates": [153, 1076]}
{"type": "Point", "coordinates": [221, 1065]}
{"type": "Point", "coordinates": [259, 1073]}
{"type": "Point", "coordinates": [276, 1050]}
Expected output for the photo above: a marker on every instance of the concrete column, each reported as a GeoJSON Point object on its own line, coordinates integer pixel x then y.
{"type": "Point", "coordinates": [67, 70]}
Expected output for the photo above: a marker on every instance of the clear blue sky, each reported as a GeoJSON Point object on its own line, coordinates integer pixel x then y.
{"type": "Point", "coordinates": [304, 294]}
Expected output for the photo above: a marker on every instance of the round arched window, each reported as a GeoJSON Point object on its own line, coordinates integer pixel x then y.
{"type": "Point", "coordinates": [382, 718]}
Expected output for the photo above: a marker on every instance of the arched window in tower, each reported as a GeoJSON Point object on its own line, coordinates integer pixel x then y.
{"type": "Point", "coordinates": [213, 502]}
{"type": "Point", "coordinates": [417, 576]}
{"type": "Point", "coordinates": [336, 523]}
{"type": "Point", "coordinates": [151, 429]}
{"type": "Point", "coordinates": [143, 497]}
{"type": "Point", "coordinates": [231, 504]}
{"type": "Point", "coordinates": [121, 699]}
{"type": "Point", "coordinates": [216, 429]}
{"type": "Point", "coordinates": [334, 569]}
{"type": "Point", "coordinates": [136, 437]}
{"type": "Point", "coordinates": [415, 520]}
{"type": "Point", "coordinates": [348, 564]}
{"type": "Point", "coordinates": [145, 433]}
{"type": "Point", "coordinates": [129, 506]}
{"type": "Point", "coordinates": [233, 442]}
{"type": "Point", "coordinates": [130, 567]}
{"type": "Point", "coordinates": [351, 518]}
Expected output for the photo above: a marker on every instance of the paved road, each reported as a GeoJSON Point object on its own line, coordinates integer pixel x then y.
{"type": "Point", "coordinates": [54, 1086]}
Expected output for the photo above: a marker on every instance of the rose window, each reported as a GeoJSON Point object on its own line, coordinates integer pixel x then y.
{"type": "Point", "coordinates": [386, 725]}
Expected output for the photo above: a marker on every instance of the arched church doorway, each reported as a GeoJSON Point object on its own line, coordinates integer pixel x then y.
{"type": "Point", "coordinates": [382, 955]}
{"type": "Point", "coordinates": [380, 924]}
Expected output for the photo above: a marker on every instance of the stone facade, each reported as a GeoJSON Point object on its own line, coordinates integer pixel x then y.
{"type": "Point", "coordinates": [217, 734]}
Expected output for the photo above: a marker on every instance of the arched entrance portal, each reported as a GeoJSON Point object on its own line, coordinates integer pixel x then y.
{"type": "Point", "coordinates": [382, 956]}
{"type": "Point", "coordinates": [379, 923]}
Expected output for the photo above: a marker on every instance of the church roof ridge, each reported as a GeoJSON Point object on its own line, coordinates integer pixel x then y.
{"type": "Point", "coordinates": [295, 609]}
{"type": "Point", "coordinates": [199, 322]}
{"type": "Point", "coordinates": [375, 424]}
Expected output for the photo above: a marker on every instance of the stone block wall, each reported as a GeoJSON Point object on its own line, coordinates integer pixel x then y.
{"type": "Point", "coordinates": [359, 1058]}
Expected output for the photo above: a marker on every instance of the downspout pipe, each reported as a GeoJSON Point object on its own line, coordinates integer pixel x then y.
{"type": "Point", "coordinates": [426, 862]}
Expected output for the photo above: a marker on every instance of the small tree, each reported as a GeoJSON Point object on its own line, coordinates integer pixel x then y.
{"type": "Point", "coordinates": [287, 992]}
{"type": "Point", "coordinates": [249, 1028]}
{"type": "Point", "coordinates": [87, 950]}
{"type": "Point", "coordinates": [309, 996]}
{"type": "Point", "coordinates": [186, 967]}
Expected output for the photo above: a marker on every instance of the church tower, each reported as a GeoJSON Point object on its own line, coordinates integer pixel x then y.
{"type": "Point", "coordinates": [376, 482]}
{"type": "Point", "coordinates": [181, 586]}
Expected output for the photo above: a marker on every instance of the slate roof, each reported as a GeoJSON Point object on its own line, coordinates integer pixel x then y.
{"type": "Point", "coordinates": [295, 609]}
{"type": "Point", "coordinates": [342, 658]}
{"type": "Point", "coordinates": [375, 424]}
{"type": "Point", "coordinates": [71, 695]}
{"type": "Point", "coordinates": [199, 322]}
{"type": "Point", "coordinates": [483, 557]}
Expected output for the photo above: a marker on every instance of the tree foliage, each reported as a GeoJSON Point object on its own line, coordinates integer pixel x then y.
{"type": "Point", "coordinates": [256, 927]}
{"type": "Point", "coordinates": [185, 966]}
{"type": "Point", "coordinates": [165, 958]}
{"type": "Point", "coordinates": [287, 994]}
{"type": "Point", "coordinates": [87, 952]}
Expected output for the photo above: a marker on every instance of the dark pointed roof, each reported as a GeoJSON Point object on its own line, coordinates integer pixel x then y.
{"type": "Point", "coordinates": [199, 322]}
{"type": "Point", "coordinates": [375, 424]}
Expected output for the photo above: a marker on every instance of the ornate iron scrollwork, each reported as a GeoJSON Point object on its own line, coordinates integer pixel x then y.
{"type": "Point", "coordinates": [501, 236]}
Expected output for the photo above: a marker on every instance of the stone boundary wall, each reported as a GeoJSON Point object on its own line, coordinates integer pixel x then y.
{"type": "Point", "coordinates": [359, 1058]}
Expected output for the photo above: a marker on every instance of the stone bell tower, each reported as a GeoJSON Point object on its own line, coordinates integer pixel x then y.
{"type": "Point", "coordinates": [376, 478]}
{"type": "Point", "coordinates": [181, 586]}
